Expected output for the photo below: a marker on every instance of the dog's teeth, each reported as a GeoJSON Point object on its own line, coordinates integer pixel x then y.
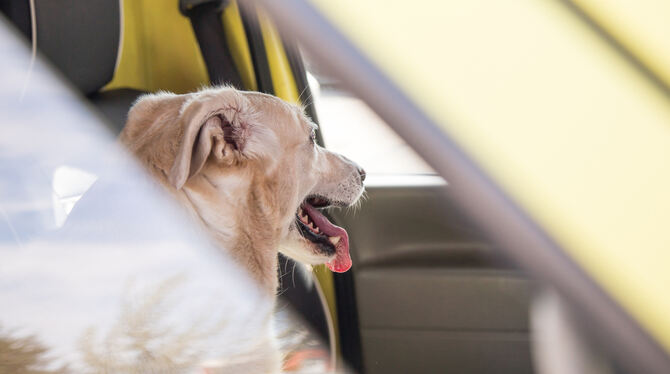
{"type": "Point", "coordinates": [334, 239]}
{"type": "Point", "coordinates": [311, 225]}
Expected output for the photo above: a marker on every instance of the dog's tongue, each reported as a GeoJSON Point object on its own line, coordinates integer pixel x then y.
{"type": "Point", "coordinates": [342, 260]}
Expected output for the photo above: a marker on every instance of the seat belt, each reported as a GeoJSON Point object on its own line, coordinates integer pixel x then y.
{"type": "Point", "coordinates": [205, 16]}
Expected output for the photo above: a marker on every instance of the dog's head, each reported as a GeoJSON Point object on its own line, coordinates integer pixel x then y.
{"type": "Point", "coordinates": [249, 161]}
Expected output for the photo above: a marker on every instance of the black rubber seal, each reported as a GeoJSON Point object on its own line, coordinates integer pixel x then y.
{"type": "Point", "coordinates": [208, 28]}
{"type": "Point", "coordinates": [300, 77]}
{"type": "Point", "coordinates": [252, 29]}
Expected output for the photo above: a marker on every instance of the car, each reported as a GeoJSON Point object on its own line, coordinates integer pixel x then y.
{"type": "Point", "coordinates": [528, 235]}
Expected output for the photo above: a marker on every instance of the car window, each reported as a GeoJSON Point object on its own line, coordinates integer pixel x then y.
{"type": "Point", "coordinates": [99, 270]}
{"type": "Point", "coordinates": [350, 127]}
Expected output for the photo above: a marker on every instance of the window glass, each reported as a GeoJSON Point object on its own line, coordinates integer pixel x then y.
{"type": "Point", "coordinates": [350, 127]}
{"type": "Point", "coordinates": [99, 271]}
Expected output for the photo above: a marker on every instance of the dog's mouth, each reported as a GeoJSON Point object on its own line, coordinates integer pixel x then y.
{"type": "Point", "coordinates": [328, 239]}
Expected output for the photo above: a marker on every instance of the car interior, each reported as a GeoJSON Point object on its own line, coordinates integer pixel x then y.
{"type": "Point", "coordinates": [427, 292]}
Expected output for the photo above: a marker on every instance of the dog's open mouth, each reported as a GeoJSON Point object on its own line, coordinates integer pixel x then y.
{"type": "Point", "coordinates": [328, 238]}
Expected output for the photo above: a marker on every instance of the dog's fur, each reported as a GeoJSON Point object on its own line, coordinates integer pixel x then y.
{"type": "Point", "coordinates": [242, 163]}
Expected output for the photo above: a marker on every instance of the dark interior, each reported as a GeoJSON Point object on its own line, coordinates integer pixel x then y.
{"type": "Point", "coordinates": [430, 295]}
{"type": "Point", "coordinates": [81, 40]}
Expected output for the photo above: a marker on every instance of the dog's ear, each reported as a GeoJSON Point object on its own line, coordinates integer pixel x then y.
{"type": "Point", "coordinates": [205, 133]}
{"type": "Point", "coordinates": [219, 124]}
{"type": "Point", "coordinates": [146, 118]}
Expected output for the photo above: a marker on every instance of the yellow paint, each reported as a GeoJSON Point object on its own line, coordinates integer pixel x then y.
{"type": "Point", "coordinates": [642, 26]}
{"type": "Point", "coordinates": [565, 125]}
{"type": "Point", "coordinates": [280, 69]}
{"type": "Point", "coordinates": [327, 283]}
{"type": "Point", "coordinates": [239, 46]}
{"type": "Point", "coordinates": [159, 50]}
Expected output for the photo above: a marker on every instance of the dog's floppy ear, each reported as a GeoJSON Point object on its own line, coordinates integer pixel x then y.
{"type": "Point", "coordinates": [205, 133]}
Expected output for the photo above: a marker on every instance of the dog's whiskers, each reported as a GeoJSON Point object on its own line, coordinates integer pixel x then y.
{"type": "Point", "coordinates": [306, 102]}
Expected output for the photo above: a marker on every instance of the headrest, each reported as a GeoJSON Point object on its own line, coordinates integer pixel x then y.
{"type": "Point", "coordinates": [81, 38]}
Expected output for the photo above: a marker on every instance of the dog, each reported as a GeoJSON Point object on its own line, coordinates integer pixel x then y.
{"type": "Point", "coordinates": [247, 167]}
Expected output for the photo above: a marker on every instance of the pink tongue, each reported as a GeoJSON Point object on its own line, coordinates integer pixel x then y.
{"type": "Point", "coordinates": [342, 260]}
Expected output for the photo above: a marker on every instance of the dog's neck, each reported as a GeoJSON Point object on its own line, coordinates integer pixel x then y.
{"type": "Point", "coordinates": [242, 224]}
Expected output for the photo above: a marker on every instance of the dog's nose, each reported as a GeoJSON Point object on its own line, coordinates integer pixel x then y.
{"type": "Point", "coordinates": [361, 172]}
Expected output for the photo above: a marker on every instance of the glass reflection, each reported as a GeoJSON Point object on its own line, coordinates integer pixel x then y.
{"type": "Point", "coordinates": [99, 272]}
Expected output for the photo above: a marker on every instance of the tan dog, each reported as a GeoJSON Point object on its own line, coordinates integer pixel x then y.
{"type": "Point", "coordinates": [247, 167]}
